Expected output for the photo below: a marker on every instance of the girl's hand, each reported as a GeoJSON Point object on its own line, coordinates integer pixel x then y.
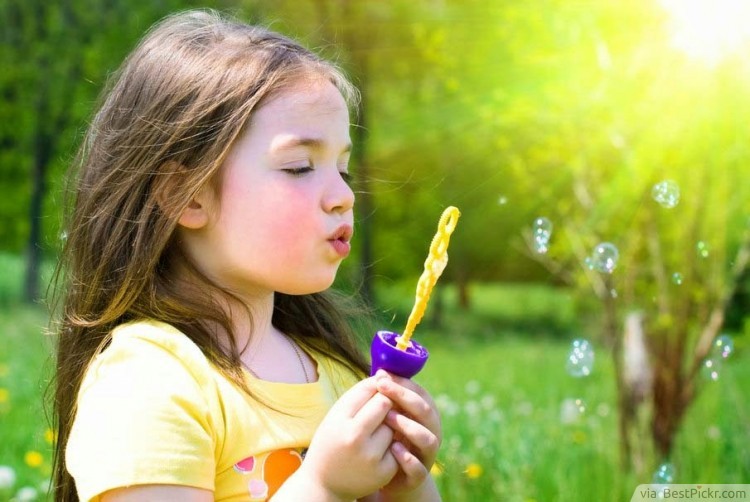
{"type": "Point", "coordinates": [350, 454]}
{"type": "Point", "coordinates": [417, 437]}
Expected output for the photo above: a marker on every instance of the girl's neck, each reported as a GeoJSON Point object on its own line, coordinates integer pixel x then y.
{"type": "Point", "coordinates": [251, 321]}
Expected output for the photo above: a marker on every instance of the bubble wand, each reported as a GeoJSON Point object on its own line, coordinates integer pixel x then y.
{"type": "Point", "coordinates": [397, 353]}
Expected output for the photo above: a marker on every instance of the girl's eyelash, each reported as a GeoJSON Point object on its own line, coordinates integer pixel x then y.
{"type": "Point", "coordinates": [347, 177]}
{"type": "Point", "coordinates": [298, 171]}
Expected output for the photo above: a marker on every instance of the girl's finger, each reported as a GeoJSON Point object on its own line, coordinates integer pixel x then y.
{"type": "Point", "coordinates": [373, 412]}
{"type": "Point", "coordinates": [382, 437]}
{"type": "Point", "coordinates": [407, 383]}
{"type": "Point", "coordinates": [421, 439]}
{"type": "Point", "coordinates": [355, 398]}
{"type": "Point", "coordinates": [413, 469]}
{"type": "Point", "coordinates": [411, 403]}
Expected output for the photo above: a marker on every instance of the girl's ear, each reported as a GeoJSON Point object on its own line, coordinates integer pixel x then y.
{"type": "Point", "coordinates": [169, 197]}
{"type": "Point", "coordinates": [195, 215]}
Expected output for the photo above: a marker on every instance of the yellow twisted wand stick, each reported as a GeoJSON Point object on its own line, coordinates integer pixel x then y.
{"type": "Point", "coordinates": [434, 265]}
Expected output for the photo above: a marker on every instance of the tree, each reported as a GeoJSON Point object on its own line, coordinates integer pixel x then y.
{"type": "Point", "coordinates": [644, 116]}
{"type": "Point", "coordinates": [58, 55]}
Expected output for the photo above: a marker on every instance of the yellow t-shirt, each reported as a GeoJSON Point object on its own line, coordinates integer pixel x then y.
{"type": "Point", "coordinates": [153, 410]}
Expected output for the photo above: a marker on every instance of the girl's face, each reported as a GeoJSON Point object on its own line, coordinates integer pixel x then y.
{"type": "Point", "coordinates": [284, 216]}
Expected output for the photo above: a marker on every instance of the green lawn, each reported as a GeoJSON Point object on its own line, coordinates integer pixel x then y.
{"type": "Point", "coordinates": [498, 375]}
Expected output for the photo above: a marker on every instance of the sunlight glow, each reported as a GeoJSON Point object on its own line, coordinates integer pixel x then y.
{"type": "Point", "coordinates": [709, 30]}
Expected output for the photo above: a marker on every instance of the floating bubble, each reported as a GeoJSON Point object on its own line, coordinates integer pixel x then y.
{"type": "Point", "coordinates": [677, 278]}
{"type": "Point", "coordinates": [724, 346]}
{"type": "Point", "coordinates": [502, 200]}
{"type": "Point", "coordinates": [702, 249]}
{"type": "Point", "coordinates": [603, 410]}
{"type": "Point", "coordinates": [711, 368]}
{"type": "Point", "coordinates": [666, 193]}
{"type": "Point", "coordinates": [580, 361]}
{"type": "Point", "coordinates": [664, 474]}
{"type": "Point", "coordinates": [613, 293]}
{"type": "Point", "coordinates": [571, 410]}
{"type": "Point", "coordinates": [542, 234]}
{"type": "Point", "coordinates": [604, 258]}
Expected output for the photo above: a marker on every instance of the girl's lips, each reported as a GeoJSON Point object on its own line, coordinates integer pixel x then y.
{"type": "Point", "coordinates": [340, 240]}
{"type": "Point", "coordinates": [341, 247]}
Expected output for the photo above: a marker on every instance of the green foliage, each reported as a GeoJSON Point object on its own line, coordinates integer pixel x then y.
{"type": "Point", "coordinates": [567, 110]}
{"type": "Point", "coordinates": [529, 310]}
{"type": "Point", "coordinates": [11, 279]}
{"type": "Point", "coordinates": [56, 58]}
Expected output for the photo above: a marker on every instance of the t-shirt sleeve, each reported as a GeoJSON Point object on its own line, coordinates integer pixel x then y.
{"type": "Point", "coordinates": [142, 418]}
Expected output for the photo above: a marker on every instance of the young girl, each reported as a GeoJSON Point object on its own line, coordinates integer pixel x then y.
{"type": "Point", "coordinates": [199, 357]}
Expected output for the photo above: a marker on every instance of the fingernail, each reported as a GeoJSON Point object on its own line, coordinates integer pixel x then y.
{"type": "Point", "coordinates": [381, 374]}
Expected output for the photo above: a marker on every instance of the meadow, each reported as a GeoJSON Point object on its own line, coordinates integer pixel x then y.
{"type": "Point", "coordinates": [517, 426]}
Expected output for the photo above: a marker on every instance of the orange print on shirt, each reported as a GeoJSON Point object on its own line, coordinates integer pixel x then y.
{"type": "Point", "coordinates": [266, 472]}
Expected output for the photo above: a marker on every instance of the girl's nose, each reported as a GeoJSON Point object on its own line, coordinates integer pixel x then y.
{"type": "Point", "coordinates": [339, 197]}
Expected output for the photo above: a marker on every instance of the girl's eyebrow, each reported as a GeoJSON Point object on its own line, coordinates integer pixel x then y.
{"type": "Point", "coordinates": [289, 142]}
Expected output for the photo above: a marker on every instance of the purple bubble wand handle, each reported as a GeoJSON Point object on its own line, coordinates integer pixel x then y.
{"type": "Point", "coordinates": [386, 355]}
{"type": "Point", "coordinates": [397, 353]}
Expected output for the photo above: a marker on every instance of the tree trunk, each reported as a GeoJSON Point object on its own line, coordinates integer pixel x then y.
{"type": "Point", "coordinates": [355, 40]}
{"type": "Point", "coordinates": [364, 196]}
{"type": "Point", "coordinates": [48, 126]}
{"type": "Point", "coordinates": [42, 155]}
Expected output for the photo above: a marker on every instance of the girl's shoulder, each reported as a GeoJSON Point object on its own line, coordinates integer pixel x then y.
{"type": "Point", "coordinates": [147, 400]}
{"type": "Point", "coordinates": [151, 349]}
{"type": "Point", "coordinates": [151, 333]}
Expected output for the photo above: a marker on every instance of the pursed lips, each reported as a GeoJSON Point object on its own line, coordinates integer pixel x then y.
{"type": "Point", "coordinates": [343, 233]}
{"type": "Point", "coordinates": [339, 240]}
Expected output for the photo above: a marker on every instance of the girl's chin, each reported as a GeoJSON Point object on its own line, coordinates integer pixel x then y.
{"type": "Point", "coordinates": [308, 288]}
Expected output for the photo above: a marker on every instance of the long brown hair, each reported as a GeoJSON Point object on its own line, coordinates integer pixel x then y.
{"type": "Point", "coordinates": [165, 124]}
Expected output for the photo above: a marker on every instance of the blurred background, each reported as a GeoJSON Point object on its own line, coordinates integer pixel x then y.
{"type": "Point", "coordinates": [591, 330]}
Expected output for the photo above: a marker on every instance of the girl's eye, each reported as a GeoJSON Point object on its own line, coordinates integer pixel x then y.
{"type": "Point", "coordinates": [298, 171]}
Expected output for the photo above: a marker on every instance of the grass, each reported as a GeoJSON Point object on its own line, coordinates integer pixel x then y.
{"type": "Point", "coordinates": [498, 375]}
{"type": "Point", "coordinates": [502, 405]}
{"type": "Point", "coordinates": [25, 442]}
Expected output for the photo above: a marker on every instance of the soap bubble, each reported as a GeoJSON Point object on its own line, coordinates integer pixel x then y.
{"type": "Point", "coordinates": [580, 361]}
{"type": "Point", "coordinates": [666, 193]}
{"type": "Point", "coordinates": [711, 368]}
{"type": "Point", "coordinates": [664, 474]}
{"type": "Point", "coordinates": [571, 410]}
{"type": "Point", "coordinates": [502, 200]}
{"type": "Point", "coordinates": [542, 233]}
{"type": "Point", "coordinates": [723, 346]}
{"type": "Point", "coordinates": [677, 278]}
{"type": "Point", "coordinates": [702, 249]}
{"type": "Point", "coordinates": [604, 258]}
